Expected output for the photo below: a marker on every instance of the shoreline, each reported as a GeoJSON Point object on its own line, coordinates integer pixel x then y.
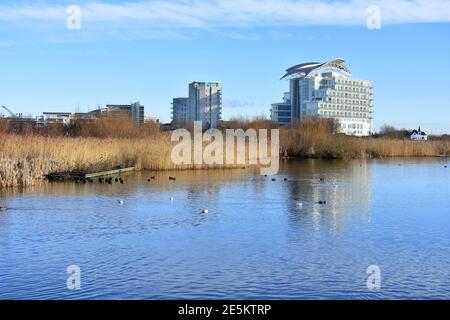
{"type": "Point", "coordinates": [44, 180]}
{"type": "Point", "coordinates": [26, 159]}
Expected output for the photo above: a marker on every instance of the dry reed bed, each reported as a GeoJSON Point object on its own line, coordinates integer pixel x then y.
{"type": "Point", "coordinates": [339, 146]}
{"type": "Point", "coordinates": [316, 138]}
{"type": "Point", "coordinates": [25, 160]}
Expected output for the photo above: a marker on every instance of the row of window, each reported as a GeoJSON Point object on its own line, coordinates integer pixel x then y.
{"type": "Point", "coordinates": [355, 132]}
{"type": "Point", "coordinates": [283, 113]}
{"type": "Point", "coordinates": [343, 114]}
{"type": "Point", "coordinates": [347, 101]}
{"type": "Point", "coordinates": [348, 95]}
{"type": "Point", "coordinates": [343, 107]}
{"type": "Point", "coordinates": [282, 108]}
{"type": "Point", "coordinates": [352, 89]}
{"type": "Point", "coordinates": [352, 82]}
{"type": "Point", "coordinates": [352, 126]}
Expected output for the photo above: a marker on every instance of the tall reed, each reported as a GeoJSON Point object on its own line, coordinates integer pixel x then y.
{"type": "Point", "coordinates": [318, 139]}
{"type": "Point", "coordinates": [25, 158]}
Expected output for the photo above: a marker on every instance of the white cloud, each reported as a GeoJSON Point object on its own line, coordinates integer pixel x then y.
{"type": "Point", "coordinates": [238, 103]}
{"type": "Point", "coordinates": [232, 13]}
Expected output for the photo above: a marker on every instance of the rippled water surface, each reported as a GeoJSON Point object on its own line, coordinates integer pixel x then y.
{"type": "Point", "coordinates": [256, 242]}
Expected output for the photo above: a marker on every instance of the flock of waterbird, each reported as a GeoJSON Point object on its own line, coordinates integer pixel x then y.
{"type": "Point", "coordinates": [110, 180]}
{"type": "Point", "coordinates": [121, 202]}
{"type": "Point", "coordinates": [206, 210]}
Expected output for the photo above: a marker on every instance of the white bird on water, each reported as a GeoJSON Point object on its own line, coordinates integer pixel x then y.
{"type": "Point", "coordinates": [3, 209]}
{"type": "Point", "coordinates": [300, 204]}
{"type": "Point", "coordinates": [120, 202]}
{"type": "Point", "coordinates": [205, 210]}
{"type": "Point", "coordinates": [171, 198]}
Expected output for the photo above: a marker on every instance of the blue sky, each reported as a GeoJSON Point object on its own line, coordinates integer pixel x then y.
{"type": "Point", "coordinates": [150, 50]}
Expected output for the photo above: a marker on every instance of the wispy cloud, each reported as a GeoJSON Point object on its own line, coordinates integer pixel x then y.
{"type": "Point", "coordinates": [214, 14]}
{"type": "Point", "coordinates": [200, 13]}
{"type": "Point", "coordinates": [239, 103]}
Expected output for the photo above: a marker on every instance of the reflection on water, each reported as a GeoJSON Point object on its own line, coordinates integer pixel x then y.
{"type": "Point", "coordinates": [260, 239]}
{"type": "Point", "coordinates": [315, 182]}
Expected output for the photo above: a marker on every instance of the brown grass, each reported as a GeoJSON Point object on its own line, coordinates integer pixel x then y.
{"type": "Point", "coordinates": [25, 158]}
{"type": "Point", "coordinates": [117, 128]}
{"type": "Point", "coordinates": [317, 138]}
{"type": "Point", "coordinates": [249, 123]}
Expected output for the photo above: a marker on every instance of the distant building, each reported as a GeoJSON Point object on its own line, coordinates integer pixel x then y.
{"type": "Point", "coordinates": [281, 112]}
{"type": "Point", "coordinates": [327, 90]}
{"type": "Point", "coordinates": [55, 117]}
{"type": "Point", "coordinates": [203, 104]}
{"type": "Point", "coordinates": [180, 111]}
{"type": "Point", "coordinates": [135, 111]}
{"type": "Point", "coordinates": [64, 118]}
{"type": "Point", "coordinates": [151, 119]}
{"type": "Point", "coordinates": [84, 117]}
{"type": "Point", "coordinates": [419, 135]}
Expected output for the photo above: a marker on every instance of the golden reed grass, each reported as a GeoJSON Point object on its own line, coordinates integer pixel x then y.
{"type": "Point", "coordinates": [316, 139]}
{"type": "Point", "coordinates": [26, 158]}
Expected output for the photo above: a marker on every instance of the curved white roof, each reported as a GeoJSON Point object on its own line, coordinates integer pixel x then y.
{"type": "Point", "coordinates": [304, 69]}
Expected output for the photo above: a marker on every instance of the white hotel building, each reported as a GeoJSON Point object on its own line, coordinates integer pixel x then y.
{"type": "Point", "coordinates": [328, 90]}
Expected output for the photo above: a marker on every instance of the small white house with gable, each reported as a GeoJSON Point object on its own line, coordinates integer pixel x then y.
{"type": "Point", "coordinates": [419, 135]}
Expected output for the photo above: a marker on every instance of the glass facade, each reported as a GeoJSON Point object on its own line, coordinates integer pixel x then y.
{"type": "Point", "coordinates": [180, 111]}
{"type": "Point", "coordinates": [281, 112]}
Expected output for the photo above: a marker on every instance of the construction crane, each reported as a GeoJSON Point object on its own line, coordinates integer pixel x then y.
{"type": "Point", "coordinates": [13, 115]}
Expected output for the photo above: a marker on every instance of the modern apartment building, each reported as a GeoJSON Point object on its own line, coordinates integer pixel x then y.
{"type": "Point", "coordinates": [203, 104]}
{"type": "Point", "coordinates": [180, 111]}
{"type": "Point", "coordinates": [328, 90]}
{"type": "Point", "coordinates": [281, 111]}
{"type": "Point", "coordinates": [205, 100]}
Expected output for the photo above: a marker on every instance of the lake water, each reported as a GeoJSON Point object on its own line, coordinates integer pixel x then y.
{"type": "Point", "coordinates": [256, 242]}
